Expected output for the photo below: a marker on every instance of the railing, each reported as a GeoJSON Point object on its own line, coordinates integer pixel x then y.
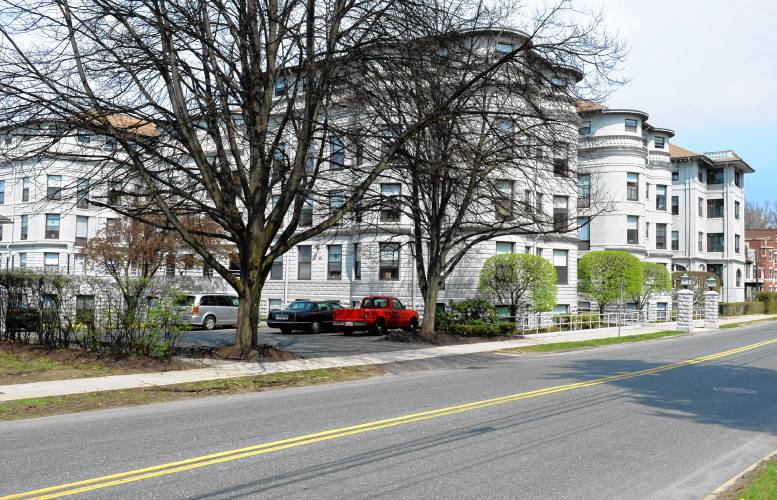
{"type": "Point", "coordinates": [611, 141]}
{"type": "Point", "coordinates": [545, 322]}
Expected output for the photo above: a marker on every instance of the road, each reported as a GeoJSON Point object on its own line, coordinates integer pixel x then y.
{"type": "Point", "coordinates": [657, 426]}
{"type": "Point", "coordinates": [304, 344]}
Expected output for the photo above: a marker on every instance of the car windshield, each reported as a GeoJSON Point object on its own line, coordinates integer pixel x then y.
{"type": "Point", "coordinates": [301, 306]}
{"type": "Point", "coordinates": [185, 301]}
{"type": "Point", "coordinates": [375, 303]}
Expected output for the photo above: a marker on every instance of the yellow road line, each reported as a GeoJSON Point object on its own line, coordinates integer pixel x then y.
{"type": "Point", "coordinates": [259, 449]}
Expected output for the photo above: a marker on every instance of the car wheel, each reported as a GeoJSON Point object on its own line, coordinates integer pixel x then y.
{"type": "Point", "coordinates": [315, 327]}
{"type": "Point", "coordinates": [413, 326]}
{"type": "Point", "coordinates": [380, 327]}
{"type": "Point", "coordinates": [348, 331]}
{"type": "Point", "coordinates": [209, 323]}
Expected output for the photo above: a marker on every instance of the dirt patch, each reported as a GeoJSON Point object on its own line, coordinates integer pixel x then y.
{"type": "Point", "coordinates": [23, 363]}
{"type": "Point", "coordinates": [441, 338]}
{"type": "Point", "coordinates": [264, 352]}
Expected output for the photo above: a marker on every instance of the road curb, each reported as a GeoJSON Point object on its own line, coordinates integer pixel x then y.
{"type": "Point", "coordinates": [731, 482]}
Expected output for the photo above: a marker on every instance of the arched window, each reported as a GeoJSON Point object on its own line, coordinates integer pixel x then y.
{"type": "Point", "coordinates": [739, 277]}
{"type": "Point", "coordinates": [702, 267]}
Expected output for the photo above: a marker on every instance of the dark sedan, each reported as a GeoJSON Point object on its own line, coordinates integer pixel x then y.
{"type": "Point", "coordinates": [312, 316]}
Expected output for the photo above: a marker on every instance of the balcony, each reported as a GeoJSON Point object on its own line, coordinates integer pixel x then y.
{"type": "Point", "coordinates": [611, 141]}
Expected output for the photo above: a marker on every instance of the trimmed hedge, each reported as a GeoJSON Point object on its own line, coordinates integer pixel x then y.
{"type": "Point", "coordinates": [770, 301]}
{"type": "Point", "coordinates": [728, 309]}
{"type": "Point", "coordinates": [478, 328]}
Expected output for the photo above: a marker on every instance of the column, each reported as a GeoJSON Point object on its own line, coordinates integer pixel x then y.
{"type": "Point", "coordinates": [711, 309]}
{"type": "Point", "coordinates": [685, 310]}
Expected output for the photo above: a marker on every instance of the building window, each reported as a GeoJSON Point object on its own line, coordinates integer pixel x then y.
{"type": "Point", "coordinates": [2, 192]}
{"type": "Point", "coordinates": [50, 262]}
{"type": "Point", "coordinates": [739, 179]}
{"type": "Point", "coordinates": [700, 242]}
{"type": "Point", "coordinates": [737, 240]}
{"type": "Point", "coordinates": [739, 277]}
{"type": "Point", "coordinates": [661, 236]}
{"type": "Point", "coordinates": [52, 226]}
{"type": "Point", "coordinates": [631, 125]}
{"type": "Point", "coordinates": [505, 247]}
{"type": "Point", "coordinates": [527, 201]}
{"type": "Point", "coordinates": [82, 230]}
{"type": "Point", "coordinates": [585, 128]}
{"type": "Point", "coordinates": [334, 262]}
{"type": "Point", "coordinates": [700, 174]}
{"type": "Point", "coordinates": [390, 198]}
{"type": "Point", "coordinates": [389, 262]}
{"type": "Point", "coordinates": [736, 210]}
{"type": "Point", "coordinates": [632, 186]}
{"type": "Point", "coordinates": [660, 197]}
{"type": "Point", "coordinates": [304, 260]}
{"type": "Point", "coordinates": [171, 265]}
{"type": "Point", "coordinates": [274, 304]}
{"type": "Point", "coordinates": [306, 214]}
{"type": "Point", "coordinates": [280, 88]}
{"type": "Point", "coordinates": [82, 195]}
{"type": "Point", "coordinates": [675, 174]}
{"type": "Point", "coordinates": [85, 309]}
{"type": "Point", "coordinates": [336, 200]}
{"type": "Point", "coordinates": [83, 137]}
{"type": "Point", "coordinates": [583, 306]}
{"type": "Point", "coordinates": [79, 263]}
{"type": "Point", "coordinates": [560, 213]}
{"type": "Point", "coordinates": [504, 47]}
{"type": "Point", "coordinates": [276, 271]}
{"type": "Point", "coordinates": [659, 142]}
{"type": "Point", "coordinates": [632, 229]}
{"type": "Point", "coordinates": [584, 233]}
{"type": "Point", "coordinates": [560, 258]}
{"type": "Point", "coordinates": [336, 153]}
{"type": "Point", "coordinates": [539, 203]}
{"type": "Point", "coordinates": [675, 205]}
{"type": "Point", "coordinates": [715, 209]}
{"type": "Point", "coordinates": [675, 240]}
{"type": "Point", "coordinates": [715, 176]}
{"type": "Point", "coordinates": [583, 190]}
{"type": "Point", "coordinates": [538, 252]}
{"type": "Point", "coordinates": [22, 259]}
{"type": "Point", "coordinates": [561, 167]}
{"type": "Point", "coordinates": [561, 309]}
{"type": "Point", "coordinates": [504, 200]}
{"type": "Point", "coordinates": [715, 242]}
{"type": "Point", "coordinates": [54, 187]}
{"type": "Point", "coordinates": [25, 189]}
{"type": "Point", "coordinates": [717, 270]}
{"type": "Point", "coordinates": [505, 131]}
{"type": "Point", "coordinates": [310, 159]}
{"type": "Point", "coordinates": [701, 207]}
{"type": "Point", "coordinates": [357, 261]}
{"type": "Point", "coordinates": [24, 225]}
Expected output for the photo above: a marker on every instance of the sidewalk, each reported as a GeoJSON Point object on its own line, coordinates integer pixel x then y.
{"type": "Point", "coordinates": [224, 370]}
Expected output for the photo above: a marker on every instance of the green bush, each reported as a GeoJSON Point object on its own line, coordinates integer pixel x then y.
{"type": "Point", "coordinates": [474, 309]}
{"type": "Point", "coordinates": [754, 307]}
{"type": "Point", "coordinates": [731, 309]}
{"type": "Point", "coordinates": [770, 301]}
{"type": "Point", "coordinates": [477, 328]}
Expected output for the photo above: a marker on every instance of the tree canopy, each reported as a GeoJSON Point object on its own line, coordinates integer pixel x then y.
{"type": "Point", "coordinates": [519, 279]}
{"type": "Point", "coordinates": [600, 273]}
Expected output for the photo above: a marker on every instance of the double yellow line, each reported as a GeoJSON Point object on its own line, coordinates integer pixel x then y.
{"type": "Point", "coordinates": [260, 449]}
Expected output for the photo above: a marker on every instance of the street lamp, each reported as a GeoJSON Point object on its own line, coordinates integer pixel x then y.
{"type": "Point", "coordinates": [685, 281]}
{"type": "Point", "coordinates": [711, 282]}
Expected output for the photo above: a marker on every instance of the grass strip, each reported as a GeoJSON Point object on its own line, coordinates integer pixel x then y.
{"type": "Point", "coordinates": [23, 367]}
{"type": "Point", "coordinates": [56, 405]}
{"type": "Point", "coordinates": [584, 344]}
{"type": "Point", "coordinates": [759, 484]}
{"type": "Point", "coordinates": [746, 323]}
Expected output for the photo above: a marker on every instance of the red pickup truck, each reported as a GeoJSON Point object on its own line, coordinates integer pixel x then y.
{"type": "Point", "coordinates": [377, 313]}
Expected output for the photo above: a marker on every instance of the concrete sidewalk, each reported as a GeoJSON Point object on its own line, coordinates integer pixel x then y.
{"type": "Point", "coordinates": [224, 370]}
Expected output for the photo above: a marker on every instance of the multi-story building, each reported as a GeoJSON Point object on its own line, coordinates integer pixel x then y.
{"type": "Point", "coordinates": [708, 202]}
{"type": "Point", "coordinates": [624, 165]}
{"type": "Point", "coordinates": [762, 244]}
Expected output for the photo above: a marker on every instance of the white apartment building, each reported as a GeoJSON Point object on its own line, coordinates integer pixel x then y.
{"type": "Point", "coordinates": [708, 221]}
{"type": "Point", "coordinates": [625, 184]}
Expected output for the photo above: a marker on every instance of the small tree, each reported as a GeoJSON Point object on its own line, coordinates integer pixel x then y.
{"type": "Point", "coordinates": [599, 276]}
{"type": "Point", "coordinates": [519, 279]}
{"type": "Point", "coordinates": [655, 280]}
{"type": "Point", "coordinates": [698, 283]}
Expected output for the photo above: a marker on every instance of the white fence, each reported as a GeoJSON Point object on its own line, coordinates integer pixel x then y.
{"type": "Point", "coordinates": [546, 322]}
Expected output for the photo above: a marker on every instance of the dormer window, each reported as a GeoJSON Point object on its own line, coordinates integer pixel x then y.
{"type": "Point", "coordinates": [631, 125]}
{"type": "Point", "coordinates": [659, 142]}
{"type": "Point", "coordinates": [83, 137]}
{"type": "Point", "coordinates": [585, 128]}
{"type": "Point", "coordinates": [504, 47]}
{"type": "Point", "coordinates": [281, 88]}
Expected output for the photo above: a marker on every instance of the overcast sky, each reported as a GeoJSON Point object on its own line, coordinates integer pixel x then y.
{"type": "Point", "coordinates": [708, 70]}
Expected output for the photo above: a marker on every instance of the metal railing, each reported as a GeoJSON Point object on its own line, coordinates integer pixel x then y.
{"type": "Point", "coordinates": [533, 323]}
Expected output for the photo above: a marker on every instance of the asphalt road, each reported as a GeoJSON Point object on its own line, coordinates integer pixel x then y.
{"type": "Point", "coordinates": [667, 431]}
{"type": "Point", "coordinates": [305, 344]}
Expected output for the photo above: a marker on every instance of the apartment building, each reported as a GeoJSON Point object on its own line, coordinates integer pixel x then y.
{"type": "Point", "coordinates": [762, 244]}
{"type": "Point", "coordinates": [624, 165]}
{"type": "Point", "coordinates": [708, 202]}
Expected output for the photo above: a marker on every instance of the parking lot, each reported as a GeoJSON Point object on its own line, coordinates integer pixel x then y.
{"type": "Point", "coordinates": [304, 344]}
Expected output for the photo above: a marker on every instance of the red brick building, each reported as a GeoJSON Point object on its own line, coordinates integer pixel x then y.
{"type": "Point", "coordinates": [763, 243]}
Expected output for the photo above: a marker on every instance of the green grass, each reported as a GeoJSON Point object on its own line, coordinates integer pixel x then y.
{"type": "Point", "coordinates": [22, 367]}
{"type": "Point", "coordinates": [746, 323]}
{"type": "Point", "coordinates": [55, 405]}
{"type": "Point", "coordinates": [583, 344]}
{"type": "Point", "coordinates": [761, 485]}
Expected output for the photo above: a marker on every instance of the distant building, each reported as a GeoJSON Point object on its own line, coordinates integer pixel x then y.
{"type": "Point", "coordinates": [763, 245]}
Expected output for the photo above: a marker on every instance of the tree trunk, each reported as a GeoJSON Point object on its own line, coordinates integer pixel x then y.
{"type": "Point", "coordinates": [247, 327]}
{"type": "Point", "coordinates": [430, 306]}
{"type": "Point", "coordinates": [513, 312]}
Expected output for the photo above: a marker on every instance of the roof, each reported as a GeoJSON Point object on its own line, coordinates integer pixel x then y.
{"type": "Point", "coordinates": [711, 158]}
{"type": "Point", "coordinates": [766, 233]}
{"type": "Point", "coordinates": [584, 106]}
{"type": "Point", "coordinates": [676, 151]}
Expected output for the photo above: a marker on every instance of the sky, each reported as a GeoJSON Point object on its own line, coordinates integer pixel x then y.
{"type": "Point", "coordinates": [706, 69]}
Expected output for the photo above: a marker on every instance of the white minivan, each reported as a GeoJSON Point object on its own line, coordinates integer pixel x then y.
{"type": "Point", "coordinates": [210, 310]}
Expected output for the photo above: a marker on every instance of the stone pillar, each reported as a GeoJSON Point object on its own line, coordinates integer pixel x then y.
{"type": "Point", "coordinates": [685, 310]}
{"type": "Point", "coordinates": [711, 309]}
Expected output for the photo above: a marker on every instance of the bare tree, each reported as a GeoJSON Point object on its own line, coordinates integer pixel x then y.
{"type": "Point", "coordinates": [490, 161]}
{"type": "Point", "coordinates": [760, 216]}
{"type": "Point", "coordinates": [229, 110]}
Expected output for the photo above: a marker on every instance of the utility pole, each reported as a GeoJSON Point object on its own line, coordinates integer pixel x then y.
{"type": "Point", "coordinates": [620, 319]}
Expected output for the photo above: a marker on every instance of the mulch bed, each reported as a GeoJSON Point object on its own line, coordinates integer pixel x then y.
{"type": "Point", "coordinates": [264, 352]}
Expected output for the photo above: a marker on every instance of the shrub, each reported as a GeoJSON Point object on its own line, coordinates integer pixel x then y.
{"type": "Point", "coordinates": [481, 329]}
{"type": "Point", "coordinates": [754, 307]}
{"type": "Point", "coordinates": [770, 301]}
{"type": "Point", "coordinates": [474, 309]}
{"type": "Point", "coordinates": [731, 309]}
